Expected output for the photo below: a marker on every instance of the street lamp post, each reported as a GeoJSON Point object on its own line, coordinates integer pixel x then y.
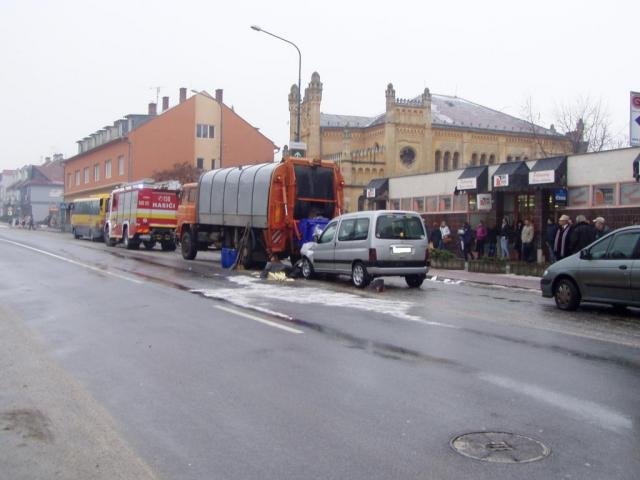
{"type": "Point", "coordinates": [258, 29]}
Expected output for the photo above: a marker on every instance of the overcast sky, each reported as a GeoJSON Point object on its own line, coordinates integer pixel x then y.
{"type": "Point", "coordinates": [71, 67]}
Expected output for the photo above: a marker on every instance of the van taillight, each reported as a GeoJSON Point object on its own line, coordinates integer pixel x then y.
{"type": "Point", "coordinates": [373, 255]}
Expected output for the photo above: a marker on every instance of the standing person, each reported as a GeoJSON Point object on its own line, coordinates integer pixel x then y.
{"type": "Point", "coordinates": [492, 239]}
{"type": "Point", "coordinates": [550, 230]}
{"type": "Point", "coordinates": [526, 237]}
{"type": "Point", "coordinates": [436, 236]}
{"type": "Point", "coordinates": [504, 233]}
{"type": "Point", "coordinates": [562, 243]}
{"type": "Point", "coordinates": [481, 237]}
{"type": "Point", "coordinates": [446, 233]}
{"type": "Point", "coordinates": [601, 227]}
{"type": "Point", "coordinates": [582, 234]}
{"type": "Point", "coordinates": [517, 239]}
{"type": "Point", "coordinates": [30, 222]}
{"type": "Point", "coordinates": [466, 239]}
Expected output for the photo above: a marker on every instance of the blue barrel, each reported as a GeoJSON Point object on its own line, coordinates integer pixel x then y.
{"type": "Point", "coordinates": [308, 226]}
{"type": "Point", "coordinates": [228, 257]}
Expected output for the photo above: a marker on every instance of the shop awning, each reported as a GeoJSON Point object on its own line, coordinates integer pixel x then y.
{"type": "Point", "coordinates": [549, 172]}
{"type": "Point", "coordinates": [510, 176]}
{"type": "Point", "coordinates": [377, 188]}
{"type": "Point", "coordinates": [473, 180]}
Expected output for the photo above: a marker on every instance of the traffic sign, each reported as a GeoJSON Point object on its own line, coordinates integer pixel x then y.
{"type": "Point", "coordinates": [634, 123]}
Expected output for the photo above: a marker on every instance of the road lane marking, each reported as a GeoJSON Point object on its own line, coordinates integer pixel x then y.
{"type": "Point", "coordinates": [73, 262]}
{"type": "Point", "coordinates": [258, 319]}
{"type": "Point", "coordinates": [590, 411]}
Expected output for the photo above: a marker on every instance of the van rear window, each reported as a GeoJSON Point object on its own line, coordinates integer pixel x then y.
{"type": "Point", "coordinates": [399, 226]}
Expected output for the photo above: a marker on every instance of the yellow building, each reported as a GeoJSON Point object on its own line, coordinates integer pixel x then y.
{"type": "Point", "coordinates": [419, 135]}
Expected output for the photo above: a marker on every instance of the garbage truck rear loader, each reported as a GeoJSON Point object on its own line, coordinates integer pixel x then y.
{"type": "Point", "coordinates": [258, 209]}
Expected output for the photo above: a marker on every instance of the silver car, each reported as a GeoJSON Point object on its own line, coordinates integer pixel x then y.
{"type": "Point", "coordinates": [607, 271]}
{"type": "Point", "coordinates": [370, 244]}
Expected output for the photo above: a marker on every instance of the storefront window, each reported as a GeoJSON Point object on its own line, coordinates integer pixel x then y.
{"type": "Point", "coordinates": [473, 203]}
{"type": "Point", "coordinates": [431, 204]}
{"type": "Point", "coordinates": [578, 196]}
{"type": "Point", "coordinates": [630, 194]}
{"type": "Point", "coordinates": [394, 204]}
{"type": "Point", "coordinates": [418, 204]}
{"type": "Point", "coordinates": [444, 203]}
{"type": "Point", "coordinates": [604, 194]}
{"type": "Point", "coordinates": [405, 204]}
{"type": "Point", "coordinates": [460, 202]}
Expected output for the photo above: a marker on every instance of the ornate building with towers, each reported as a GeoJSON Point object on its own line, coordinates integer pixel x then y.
{"type": "Point", "coordinates": [427, 133]}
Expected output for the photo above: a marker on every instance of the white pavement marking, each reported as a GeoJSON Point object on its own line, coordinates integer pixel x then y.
{"type": "Point", "coordinates": [589, 411]}
{"type": "Point", "coordinates": [260, 320]}
{"type": "Point", "coordinates": [74, 262]}
{"type": "Point", "coordinates": [255, 290]}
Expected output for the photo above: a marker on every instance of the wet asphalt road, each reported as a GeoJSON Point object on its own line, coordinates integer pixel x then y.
{"type": "Point", "coordinates": [337, 383]}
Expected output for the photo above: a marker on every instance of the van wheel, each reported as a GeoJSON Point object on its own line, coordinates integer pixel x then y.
{"type": "Point", "coordinates": [149, 244]}
{"type": "Point", "coordinates": [107, 241]}
{"type": "Point", "coordinates": [567, 295]}
{"type": "Point", "coordinates": [188, 247]}
{"type": "Point", "coordinates": [414, 281]}
{"type": "Point", "coordinates": [307, 269]}
{"type": "Point", "coordinates": [359, 276]}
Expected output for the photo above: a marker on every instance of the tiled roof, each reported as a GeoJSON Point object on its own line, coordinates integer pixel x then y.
{"type": "Point", "coordinates": [447, 111]}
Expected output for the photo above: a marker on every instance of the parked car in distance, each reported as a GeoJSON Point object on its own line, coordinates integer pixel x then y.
{"type": "Point", "coordinates": [370, 244]}
{"type": "Point", "coordinates": [607, 271]}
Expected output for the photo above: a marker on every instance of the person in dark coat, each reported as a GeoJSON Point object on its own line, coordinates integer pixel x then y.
{"type": "Point", "coordinates": [466, 239]}
{"type": "Point", "coordinates": [517, 239]}
{"type": "Point", "coordinates": [492, 239]}
{"type": "Point", "coordinates": [583, 233]}
{"type": "Point", "coordinates": [550, 230]}
{"type": "Point", "coordinates": [436, 236]}
{"type": "Point", "coordinates": [562, 242]}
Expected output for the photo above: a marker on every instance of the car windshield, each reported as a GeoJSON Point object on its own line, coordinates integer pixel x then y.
{"type": "Point", "coordinates": [399, 226]}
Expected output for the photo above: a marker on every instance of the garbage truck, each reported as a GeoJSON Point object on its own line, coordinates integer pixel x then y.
{"type": "Point", "coordinates": [263, 212]}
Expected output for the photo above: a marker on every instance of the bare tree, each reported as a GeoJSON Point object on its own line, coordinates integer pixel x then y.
{"type": "Point", "coordinates": [183, 172]}
{"type": "Point", "coordinates": [534, 119]}
{"type": "Point", "coordinates": [584, 121]}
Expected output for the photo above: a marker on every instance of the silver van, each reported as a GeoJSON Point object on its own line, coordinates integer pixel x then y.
{"type": "Point", "coordinates": [370, 244]}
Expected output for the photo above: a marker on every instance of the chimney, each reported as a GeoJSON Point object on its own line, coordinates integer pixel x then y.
{"type": "Point", "coordinates": [219, 95]}
{"type": "Point", "coordinates": [165, 104]}
{"type": "Point", "coordinates": [183, 94]}
{"type": "Point", "coordinates": [152, 109]}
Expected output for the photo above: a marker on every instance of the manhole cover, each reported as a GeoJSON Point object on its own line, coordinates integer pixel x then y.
{"type": "Point", "coordinates": [499, 447]}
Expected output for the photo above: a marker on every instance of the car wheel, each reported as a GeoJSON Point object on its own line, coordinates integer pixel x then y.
{"type": "Point", "coordinates": [359, 276]}
{"type": "Point", "coordinates": [307, 268]}
{"type": "Point", "coordinates": [567, 295]}
{"type": "Point", "coordinates": [414, 281]}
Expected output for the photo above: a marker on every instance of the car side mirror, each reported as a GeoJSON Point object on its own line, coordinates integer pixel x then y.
{"type": "Point", "coordinates": [585, 254]}
{"type": "Point", "coordinates": [316, 237]}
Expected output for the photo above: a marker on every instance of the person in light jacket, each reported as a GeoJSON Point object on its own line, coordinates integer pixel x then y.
{"type": "Point", "coordinates": [446, 233]}
{"type": "Point", "coordinates": [527, 241]}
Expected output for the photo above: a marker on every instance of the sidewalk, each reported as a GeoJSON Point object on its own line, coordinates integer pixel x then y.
{"type": "Point", "coordinates": [501, 279]}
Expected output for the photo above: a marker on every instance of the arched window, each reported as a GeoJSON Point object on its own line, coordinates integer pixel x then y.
{"type": "Point", "coordinates": [518, 158]}
{"type": "Point", "coordinates": [492, 159]}
{"type": "Point", "coordinates": [509, 158]}
{"type": "Point", "coordinates": [438, 155]}
{"type": "Point", "coordinates": [367, 171]}
{"type": "Point", "coordinates": [445, 163]}
{"type": "Point", "coordinates": [526, 158]}
{"type": "Point", "coordinates": [474, 159]}
{"type": "Point", "coordinates": [483, 159]}
{"type": "Point", "coordinates": [456, 161]}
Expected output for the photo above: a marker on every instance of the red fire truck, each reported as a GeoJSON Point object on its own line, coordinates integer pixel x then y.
{"type": "Point", "coordinates": [142, 213]}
